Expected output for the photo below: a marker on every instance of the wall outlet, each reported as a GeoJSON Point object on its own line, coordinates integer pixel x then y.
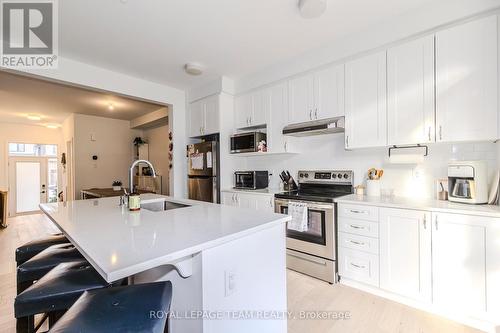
{"type": "Point", "coordinates": [230, 283]}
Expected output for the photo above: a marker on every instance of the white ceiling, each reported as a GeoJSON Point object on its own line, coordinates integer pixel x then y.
{"type": "Point", "coordinates": [21, 96]}
{"type": "Point", "coordinates": [153, 39]}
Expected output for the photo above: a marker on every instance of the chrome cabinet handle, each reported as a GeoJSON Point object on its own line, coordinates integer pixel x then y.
{"type": "Point", "coordinates": [425, 221]}
{"type": "Point", "coordinates": [356, 226]}
{"type": "Point", "coordinates": [347, 141]}
{"type": "Point", "coordinates": [316, 113]}
{"type": "Point", "coordinates": [429, 133]}
{"type": "Point", "coordinates": [358, 211]}
{"type": "Point", "coordinates": [357, 243]}
{"type": "Point", "coordinates": [271, 201]}
{"type": "Point", "coordinates": [436, 223]}
{"type": "Point", "coordinates": [358, 266]}
{"type": "Point", "coordinates": [310, 114]}
{"type": "Point", "coordinates": [440, 132]}
{"type": "Point", "coordinates": [285, 145]}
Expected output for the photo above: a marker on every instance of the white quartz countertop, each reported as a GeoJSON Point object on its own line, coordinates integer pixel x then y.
{"type": "Point", "coordinates": [422, 204]}
{"type": "Point", "coordinates": [120, 243]}
{"type": "Point", "coordinates": [264, 191]}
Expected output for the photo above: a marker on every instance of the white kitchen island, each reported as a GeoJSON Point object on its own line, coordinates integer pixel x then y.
{"type": "Point", "coordinates": [227, 264]}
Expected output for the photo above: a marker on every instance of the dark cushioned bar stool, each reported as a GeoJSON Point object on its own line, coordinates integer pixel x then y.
{"type": "Point", "coordinates": [119, 309]}
{"type": "Point", "coordinates": [55, 292]}
{"type": "Point", "coordinates": [30, 249]}
{"type": "Point", "coordinates": [35, 268]}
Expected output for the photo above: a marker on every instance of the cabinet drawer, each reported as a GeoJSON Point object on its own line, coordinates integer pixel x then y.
{"type": "Point", "coordinates": [360, 212]}
{"type": "Point", "coordinates": [360, 243]}
{"type": "Point", "coordinates": [358, 227]}
{"type": "Point", "coordinates": [359, 266]}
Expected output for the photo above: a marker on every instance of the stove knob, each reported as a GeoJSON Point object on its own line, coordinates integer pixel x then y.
{"type": "Point", "coordinates": [306, 175]}
{"type": "Point", "coordinates": [334, 176]}
{"type": "Point", "coordinates": [346, 175]}
{"type": "Point", "coordinates": [339, 175]}
{"type": "Point", "coordinates": [301, 175]}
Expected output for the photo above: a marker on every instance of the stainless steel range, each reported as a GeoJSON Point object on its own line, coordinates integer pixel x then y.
{"type": "Point", "coordinates": [312, 249]}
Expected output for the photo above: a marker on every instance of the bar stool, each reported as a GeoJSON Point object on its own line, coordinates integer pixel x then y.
{"type": "Point", "coordinates": [36, 267]}
{"type": "Point", "coordinates": [134, 308]}
{"type": "Point", "coordinates": [55, 293]}
{"type": "Point", "coordinates": [32, 248]}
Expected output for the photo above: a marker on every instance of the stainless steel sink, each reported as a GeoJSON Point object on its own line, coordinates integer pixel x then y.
{"type": "Point", "coordinates": [160, 206]}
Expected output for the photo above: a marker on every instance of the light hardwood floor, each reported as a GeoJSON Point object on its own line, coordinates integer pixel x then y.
{"type": "Point", "coordinates": [369, 314]}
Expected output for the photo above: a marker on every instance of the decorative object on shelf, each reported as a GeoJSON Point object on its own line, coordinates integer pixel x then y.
{"type": "Point", "coordinates": [139, 141]}
{"type": "Point", "coordinates": [262, 147]}
{"type": "Point", "coordinates": [117, 185]}
{"type": "Point", "coordinates": [408, 154]}
{"type": "Point", "coordinates": [170, 136]}
{"type": "Point", "coordinates": [170, 146]}
{"type": "Point", "coordinates": [63, 160]}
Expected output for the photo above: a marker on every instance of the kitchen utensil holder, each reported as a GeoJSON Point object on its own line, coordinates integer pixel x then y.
{"type": "Point", "coordinates": [373, 187]}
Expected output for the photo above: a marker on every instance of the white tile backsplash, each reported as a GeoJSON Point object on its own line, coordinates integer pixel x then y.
{"type": "Point", "coordinates": [327, 152]}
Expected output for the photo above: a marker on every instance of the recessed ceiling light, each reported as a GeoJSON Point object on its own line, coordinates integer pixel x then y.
{"type": "Point", "coordinates": [111, 106]}
{"type": "Point", "coordinates": [312, 8]}
{"type": "Point", "coordinates": [34, 117]}
{"type": "Point", "coordinates": [193, 68]}
{"type": "Point", "coordinates": [52, 126]}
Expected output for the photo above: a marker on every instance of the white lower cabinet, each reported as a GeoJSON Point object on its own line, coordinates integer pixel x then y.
{"type": "Point", "coordinates": [459, 263]}
{"type": "Point", "coordinates": [448, 261]}
{"type": "Point", "coordinates": [261, 201]}
{"type": "Point", "coordinates": [405, 252]}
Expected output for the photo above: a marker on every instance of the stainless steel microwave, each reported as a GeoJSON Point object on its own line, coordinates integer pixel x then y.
{"type": "Point", "coordinates": [246, 142]}
{"type": "Point", "coordinates": [251, 180]}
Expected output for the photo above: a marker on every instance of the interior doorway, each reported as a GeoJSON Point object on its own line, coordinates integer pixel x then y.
{"type": "Point", "coordinates": [33, 179]}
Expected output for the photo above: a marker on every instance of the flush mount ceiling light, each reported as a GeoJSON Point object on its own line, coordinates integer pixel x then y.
{"type": "Point", "coordinates": [312, 8]}
{"type": "Point", "coordinates": [111, 106]}
{"type": "Point", "coordinates": [34, 117]}
{"type": "Point", "coordinates": [52, 126]}
{"type": "Point", "coordinates": [193, 68]}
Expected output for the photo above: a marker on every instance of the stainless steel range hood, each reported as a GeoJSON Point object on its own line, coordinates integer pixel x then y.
{"type": "Point", "coordinates": [316, 127]}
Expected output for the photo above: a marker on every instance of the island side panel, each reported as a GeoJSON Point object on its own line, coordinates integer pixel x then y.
{"type": "Point", "coordinates": [257, 264]}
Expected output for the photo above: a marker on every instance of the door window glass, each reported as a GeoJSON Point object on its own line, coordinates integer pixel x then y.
{"type": "Point", "coordinates": [32, 149]}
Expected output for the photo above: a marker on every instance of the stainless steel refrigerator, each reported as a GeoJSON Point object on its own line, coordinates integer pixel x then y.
{"type": "Point", "coordinates": [203, 171]}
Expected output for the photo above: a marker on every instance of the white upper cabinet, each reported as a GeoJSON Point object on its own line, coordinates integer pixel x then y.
{"type": "Point", "coordinates": [204, 116]}
{"type": "Point", "coordinates": [211, 115]}
{"type": "Point", "coordinates": [251, 109]}
{"type": "Point", "coordinates": [466, 82]}
{"type": "Point", "coordinates": [317, 95]}
{"type": "Point", "coordinates": [459, 263]}
{"type": "Point", "coordinates": [365, 102]}
{"type": "Point", "coordinates": [410, 84]}
{"type": "Point", "coordinates": [278, 118]}
{"type": "Point", "coordinates": [301, 98]}
{"type": "Point", "coordinates": [405, 252]}
{"type": "Point", "coordinates": [196, 118]}
{"type": "Point", "coordinates": [329, 92]}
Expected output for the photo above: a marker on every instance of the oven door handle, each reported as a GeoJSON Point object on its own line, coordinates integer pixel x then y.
{"type": "Point", "coordinates": [310, 205]}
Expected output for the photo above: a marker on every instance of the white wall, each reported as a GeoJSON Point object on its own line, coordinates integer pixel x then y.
{"type": "Point", "coordinates": [113, 145]}
{"type": "Point", "coordinates": [418, 181]}
{"type": "Point", "coordinates": [79, 73]}
{"type": "Point", "coordinates": [158, 141]}
{"type": "Point", "coordinates": [25, 134]}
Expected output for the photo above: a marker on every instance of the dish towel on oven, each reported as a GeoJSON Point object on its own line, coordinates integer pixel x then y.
{"type": "Point", "coordinates": [298, 211]}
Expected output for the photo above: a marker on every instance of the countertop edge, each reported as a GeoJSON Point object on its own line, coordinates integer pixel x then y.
{"type": "Point", "coordinates": [166, 259]}
{"type": "Point", "coordinates": [421, 206]}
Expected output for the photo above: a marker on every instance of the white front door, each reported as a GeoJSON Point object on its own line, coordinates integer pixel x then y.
{"type": "Point", "coordinates": [28, 184]}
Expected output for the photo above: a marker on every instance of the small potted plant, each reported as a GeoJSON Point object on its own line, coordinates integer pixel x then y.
{"type": "Point", "coordinates": [117, 185]}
